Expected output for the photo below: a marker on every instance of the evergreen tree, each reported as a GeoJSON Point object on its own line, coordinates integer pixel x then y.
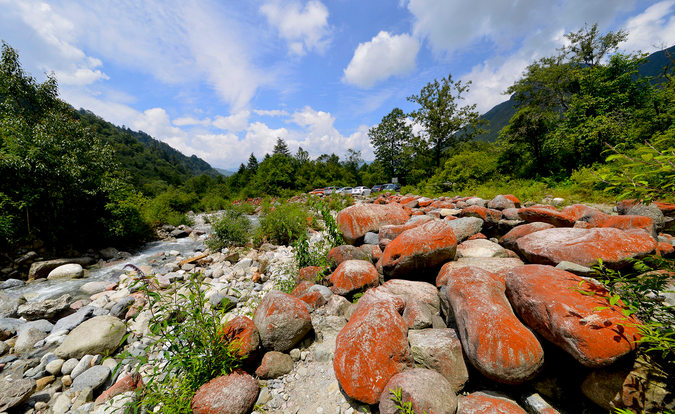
{"type": "Point", "coordinates": [281, 148]}
{"type": "Point", "coordinates": [252, 165]}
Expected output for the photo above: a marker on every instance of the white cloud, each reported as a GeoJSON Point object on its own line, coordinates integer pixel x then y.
{"type": "Point", "coordinates": [306, 28]}
{"type": "Point", "coordinates": [274, 112]}
{"type": "Point", "coordinates": [491, 79]}
{"type": "Point", "coordinates": [188, 120]}
{"type": "Point", "coordinates": [233, 123]}
{"type": "Point", "coordinates": [652, 29]}
{"type": "Point", "coordinates": [384, 56]}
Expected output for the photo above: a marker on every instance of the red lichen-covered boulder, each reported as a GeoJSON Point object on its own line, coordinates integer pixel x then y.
{"type": "Point", "coordinates": [420, 252]}
{"type": "Point", "coordinates": [487, 402]}
{"type": "Point", "coordinates": [377, 250]}
{"type": "Point", "coordinates": [496, 265]}
{"type": "Point", "coordinates": [489, 216]}
{"type": "Point", "coordinates": [546, 215]}
{"type": "Point", "coordinates": [493, 338]}
{"type": "Point", "coordinates": [131, 382]}
{"type": "Point", "coordinates": [501, 202]}
{"type": "Point", "coordinates": [308, 274]}
{"type": "Point", "coordinates": [632, 222]}
{"type": "Point", "coordinates": [424, 292]}
{"type": "Point", "coordinates": [666, 249]}
{"type": "Point", "coordinates": [585, 246]}
{"type": "Point", "coordinates": [233, 394]}
{"type": "Point", "coordinates": [591, 215]}
{"type": "Point", "coordinates": [242, 333]}
{"type": "Point", "coordinates": [339, 254]}
{"type": "Point", "coordinates": [478, 236]}
{"type": "Point", "coordinates": [508, 241]}
{"type": "Point", "coordinates": [315, 300]}
{"type": "Point", "coordinates": [426, 390]}
{"type": "Point", "coordinates": [353, 276]}
{"type": "Point", "coordinates": [302, 288]}
{"type": "Point", "coordinates": [282, 320]}
{"type": "Point", "coordinates": [372, 347]}
{"type": "Point", "coordinates": [417, 315]}
{"type": "Point", "coordinates": [357, 220]}
{"type": "Point", "coordinates": [513, 199]}
{"type": "Point", "coordinates": [391, 232]}
{"type": "Point", "coordinates": [424, 202]}
{"type": "Point", "coordinates": [666, 208]}
{"type": "Point", "coordinates": [550, 301]}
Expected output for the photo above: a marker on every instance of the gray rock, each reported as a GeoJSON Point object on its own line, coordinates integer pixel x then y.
{"type": "Point", "coordinates": [71, 322]}
{"type": "Point", "coordinates": [94, 287]}
{"type": "Point", "coordinates": [67, 271]}
{"type": "Point", "coordinates": [99, 335]}
{"type": "Point", "coordinates": [274, 365]}
{"type": "Point", "coordinates": [575, 268]}
{"type": "Point", "coordinates": [120, 308]}
{"type": "Point", "coordinates": [39, 270]}
{"type": "Point", "coordinates": [85, 409]}
{"type": "Point", "coordinates": [466, 227]}
{"type": "Point", "coordinates": [69, 366]}
{"type": "Point", "coordinates": [15, 393]}
{"type": "Point", "coordinates": [322, 354]}
{"type": "Point", "coordinates": [480, 248]}
{"type": "Point", "coordinates": [9, 304]}
{"type": "Point", "coordinates": [179, 234]}
{"type": "Point", "coordinates": [11, 324]}
{"type": "Point", "coordinates": [108, 253]}
{"type": "Point", "coordinates": [41, 324]}
{"type": "Point", "coordinates": [85, 396]}
{"type": "Point", "coordinates": [54, 366]}
{"type": "Point", "coordinates": [84, 364]}
{"type": "Point", "coordinates": [424, 388]}
{"type": "Point", "coordinates": [4, 348]}
{"type": "Point", "coordinates": [337, 305]}
{"type": "Point", "coordinates": [440, 350]}
{"type": "Point", "coordinates": [282, 320]}
{"type": "Point", "coordinates": [10, 283]}
{"type": "Point", "coordinates": [94, 377]}
{"type": "Point", "coordinates": [62, 404]}
{"type": "Point", "coordinates": [27, 339]}
{"type": "Point", "coordinates": [371, 238]}
{"type": "Point", "coordinates": [325, 291]}
{"type": "Point", "coordinates": [46, 309]}
{"type": "Point", "coordinates": [651, 211]}
{"type": "Point", "coordinates": [244, 263]}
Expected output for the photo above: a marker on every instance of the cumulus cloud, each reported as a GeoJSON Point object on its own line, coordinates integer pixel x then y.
{"type": "Point", "coordinates": [384, 56]}
{"type": "Point", "coordinates": [651, 30]}
{"type": "Point", "coordinates": [306, 28]}
{"type": "Point", "coordinates": [274, 112]}
{"type": "Point", "coordinates": [234, 123]}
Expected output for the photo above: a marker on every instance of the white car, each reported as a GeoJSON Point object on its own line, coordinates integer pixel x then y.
{"type": "Point", "coordinates": [361, 191]}
{"type": "Point", "coordinates": [344, 190]}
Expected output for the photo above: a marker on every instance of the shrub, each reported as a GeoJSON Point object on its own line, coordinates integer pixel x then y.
{"type": "Point", "coordinates": [188, 329]}
{"type": "Point", "coordinates": [231, 228]}
{"type": "Point", "coordinates": [283, 224]}
{"type": "Point", "coordinates": [127, 223]}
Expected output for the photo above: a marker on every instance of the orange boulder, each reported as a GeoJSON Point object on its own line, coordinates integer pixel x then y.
{"type": "Point", "coordinates": [357, 220]}
{"type": "Point", "coordinates": [353, 276]}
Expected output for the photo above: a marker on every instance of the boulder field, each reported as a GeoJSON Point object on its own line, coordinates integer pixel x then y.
{"type": "Point", "coordinates": [455, 305]}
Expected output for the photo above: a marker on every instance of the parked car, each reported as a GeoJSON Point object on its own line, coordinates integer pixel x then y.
{"type": "Point", "coordinates": [376, 188]}
{"type": "Point", "coordinates": [317, 191]}
{"type": "Point", "coordinates": [361, 191]}
{"type": "Point", "coordinates": [344, 190]}
{"type": "Point", "coordinates": [330, 190]}
{"type": "Point", "coordinates": [392, 187]}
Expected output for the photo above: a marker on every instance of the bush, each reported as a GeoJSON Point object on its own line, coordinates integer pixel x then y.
{"type": "Point", "coordinates": [283, 224]}
{"type": "Point", "coordinates": [231, 228]}
{"type": "Point", "coordinates": [127, 223]}
{"type": "Point", "coordinates": [188, 329]}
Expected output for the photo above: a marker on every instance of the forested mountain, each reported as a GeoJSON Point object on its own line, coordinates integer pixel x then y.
{"type": "Point", "coordinates": [153, 164]}
{"type": "Point", "coordinates": [499, 116]}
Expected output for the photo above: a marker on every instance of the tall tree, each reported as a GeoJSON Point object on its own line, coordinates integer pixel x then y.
{"type": "Point", "coordinates": [390, 139]}
{"type": "Point", "coordinates": [445, 123]}
{"type": "Point", "coordinates": [281, 148]}
{"type": "Point", "coordinates": [252, 165]}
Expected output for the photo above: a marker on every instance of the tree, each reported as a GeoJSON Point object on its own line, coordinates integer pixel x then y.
{"type": "Point", "coordinates": [252, 165]}
{"type": "Point", "coordinates": [390, 139]}
{"type": "Point", "coordinates": [445, 123]}
{"type": "Point", "coordinates": [281, 148]}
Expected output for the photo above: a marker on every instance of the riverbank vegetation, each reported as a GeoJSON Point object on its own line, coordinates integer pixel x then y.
{"type": "Point", "coordinates": [587, 127]}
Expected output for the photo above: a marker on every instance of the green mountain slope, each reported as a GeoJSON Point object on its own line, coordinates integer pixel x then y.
{"type": "Point", "coordinates": [152, 164]}
{"type": "Point", "coordinates": [499, 116]}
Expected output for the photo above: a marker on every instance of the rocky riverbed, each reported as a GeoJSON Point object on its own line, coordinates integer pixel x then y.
{"type": "Point", "coordinates": [446, 317]}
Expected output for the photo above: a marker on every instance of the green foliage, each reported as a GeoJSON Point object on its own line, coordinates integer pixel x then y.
{"type": "Point", "coordinates": [403, 407]}
{"type": "Point", "coordinates": [282, 224]}
{"type": "Point", "coordinates": [472, 163]}
{"type": "Point", "coordinates": [392, 140]}
{"type": "Point", "coordinates": [231, 228]}
{"type": "Point", "coordinates": [445, 123]}
{"type": "Point", "coordinates": [640, 288]}
{"type": "Point", "coordinates": [127, 223]}
{"type": "Point", "coordinates": [6, 221]}
{"type": "Point", "coordinates": [188, 330]}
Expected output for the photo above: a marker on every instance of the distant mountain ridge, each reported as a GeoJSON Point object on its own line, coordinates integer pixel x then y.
{"type": "Point", "coordinates": [152, 164]}
{"type": "Point", "coordinates": [499, 116]}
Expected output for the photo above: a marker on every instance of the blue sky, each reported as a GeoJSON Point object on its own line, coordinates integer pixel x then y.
{"type": "Point", "coordinates": [223, 79]}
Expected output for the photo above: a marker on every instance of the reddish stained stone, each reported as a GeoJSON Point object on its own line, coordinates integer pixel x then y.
{"type": "Point", "coordinates": [418, 213]}
{"type": "Point", "coordinates": [241, 332]}
{"type": "Point", "coordinates": [407, 199]}
{"type": "Point", "coordinates": [377, 252]}
{"type": "Point", "coordinates": [666, 249]}
{"type": "Point", "coordinates": [391, 232]}
{"type": "Point", "coordinates": [666, 208]}
{"type": "Point", "coordinates": [371, 349]}
{"type": "Point", "coordinates": [315, 299]}
{"type": "Point", "coordinates": [302, 288]}
{"type": "Point", "coordinates": [352, 276]}
{"type": "Point", "coordinates": [339, 254]}
{"type": "Point", "coordinates": [624, 206]}
{"type": "Point", "coordinates": [549, 301]}
{"type": "Point", "coordinates": [513, 199]}
{"type": "Point", "coordinates": [419, 251]}
{"type": "Point", "coordinates": [508, 352]}
{"type": "Point", "coordinates": [486, 402]}
{"type": "Point", "coordinates": [308, 274]}
{"type": "Point", "coordinates": [490, 216]}
{"type": "Point", "coordinates": [546, 215]}
{"type": "Point", "coordinates": [584, 213]}
{"type": "Point", "coordinates": [355, 221]}
{"type": "Point", "coordinates": [632, 222]}
{"type": "Point", "coordinates": [508, 241]}
{"type": "Point", "coordinates": [585, 246]}
{"type": "Point", "coordinates": [231, 394]}
{"type": "Point", "coordinates": [282, 320]}
{"type": "Point", "coordinates": [424, 202]}
{"type": "Point", "coordinates": [128, 383]}
{"type": "Point", "coordinates": [478, 236]}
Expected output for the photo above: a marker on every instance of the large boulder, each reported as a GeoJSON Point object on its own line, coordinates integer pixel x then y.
{"type": "Point", "coordinates": [233, 394]}
{"type": "Point", "coordinates": [41, 269]}
{"type": "Point", "coordinates": [586, 246]}
{"type": "Point", "coordinates": [652, 211]}
{"type": "Point", "coordinates": [488, 402]}
{"type": "Point", "coordinates": [572, 313]}
{"type": "Point", "coordinates": [339, 254]}
{"type": "Point", "coordinates": [274, 365]}
{"type": "Point", "coordinates": [46, 309]}
{"type": "Point", "coordinates": [547, 215]}
{"type": "Point", "coordinates": [15, 393]}
{"type": "Point", "coordinates": [629, 222]}
{"type": "Point", "coordinates": [501, 202]}
{"type": "Point", "coordinates": [580, 212]}
{"type": "Point", "coordinates": [480, 248]}
{"type": "Point", "coordinates": [489, 216]}
{"type": "Point", "coordinates": [419, 253]}
{"type": "Point", "coordinates": [440, 350]}
{"type": "Point", "coordinates": [422, 291]}
{"type": "Point", "coordinates": [508, 352]}
{"type": "Point", "coordinates": [355, 221]}
{"type": "Point", "coordinates": [28, 338]}
{"type": "Point", "coordinates": [426, 390]}
{"type": "Point", "coordinates": [508, 241]}
{"type": "Point", "coordinates": [282, 320]}
{"type": "Point", "coordinates": [67, 271]}
{"type": "Point", "coordinates": [9, 304]}
{"type": "Point", "coordinates": [353, 276]}
{"type": "Point", "coordinates": [242, 333]}
{"type": "Point", "coordinates": [466, 227]}
{"type": "Point", "coordinates": [393, 231]}
{"type": "Point", "coordinates": [496, 265]}
{"type": "Point", "coordinates": [372, 347]}
{"type": "Point", "coordinates": [99, 335]}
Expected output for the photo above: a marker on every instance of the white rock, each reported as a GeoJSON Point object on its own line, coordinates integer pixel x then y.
{"type": "Point", "coordinates": [68, 271]}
